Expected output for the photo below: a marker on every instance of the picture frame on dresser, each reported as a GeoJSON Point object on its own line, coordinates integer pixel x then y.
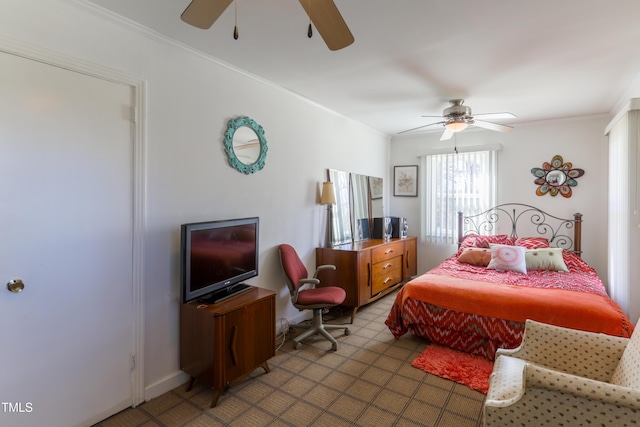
{"type": "Point", "coordinates": [405, 181]}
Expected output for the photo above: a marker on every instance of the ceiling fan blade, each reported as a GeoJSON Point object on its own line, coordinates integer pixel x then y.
{"type": "Point", "coordinates": [420, 127]}
{"type": "Point", "coordinates": [492, 126]}
{"type": "Point", "coordinates": [329, 22]}
{"type": "Point", "coordinates": [447, 134]}
{"type": "Point", "coordinates": [203, 13]}
{"type": "Point", "coordinates": [496, 116]}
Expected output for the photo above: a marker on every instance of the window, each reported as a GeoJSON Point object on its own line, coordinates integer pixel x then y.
{"type": "Point", "coordinates": [621, 204]}
{"type": "Point", "coordinates": [464, 181]}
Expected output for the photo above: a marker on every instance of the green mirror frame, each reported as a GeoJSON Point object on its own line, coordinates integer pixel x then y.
{"type": "Point", "coordinates": [232, 127]}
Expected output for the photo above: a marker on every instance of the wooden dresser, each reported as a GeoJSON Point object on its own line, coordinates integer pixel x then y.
{"type": "Point", "coordinates": [369, 269]}
{"type": "Point", "coordinates": [224, 342]}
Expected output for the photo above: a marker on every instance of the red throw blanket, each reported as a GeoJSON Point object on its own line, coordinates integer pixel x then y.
{"type": "Point", "coordinates": [577, 310]}
{"type": "Point", "coordinates": [478, 310]}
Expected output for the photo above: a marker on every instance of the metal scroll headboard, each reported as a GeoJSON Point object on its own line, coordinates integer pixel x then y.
{"type": "Point", "coordinates": [520, 220]}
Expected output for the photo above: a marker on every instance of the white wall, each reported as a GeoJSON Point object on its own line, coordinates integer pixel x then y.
{"type": "Point", "coordinates": [633, 91]}
{"type": "Point", "coordinates": [580, 141]}
{"type": "Point", "coordinates": [189, 100]}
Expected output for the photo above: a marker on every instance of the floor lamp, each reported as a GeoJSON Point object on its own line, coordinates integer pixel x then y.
{"type": "Point", "coordinates": [328, 198]}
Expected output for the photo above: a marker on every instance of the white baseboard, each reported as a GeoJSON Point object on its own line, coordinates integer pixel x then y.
{"type": "Point", "coordinates": [106, 414]}
{"type": "Point", "coordinates": [165, 385]}
{"type": "Point", "coordinates": [178, 378]}
{"type": "Point", "coordinates": [303, 316]}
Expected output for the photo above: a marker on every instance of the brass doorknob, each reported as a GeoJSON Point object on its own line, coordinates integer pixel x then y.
{"type": "Point", "coordinates": [15, 285]}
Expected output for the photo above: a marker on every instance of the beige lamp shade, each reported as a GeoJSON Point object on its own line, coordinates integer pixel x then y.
{"type": "Point", "coordinates": [328, 196]}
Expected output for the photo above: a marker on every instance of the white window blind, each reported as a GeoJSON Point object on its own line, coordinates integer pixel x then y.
{"type": "Point", "coordinates": [463, 181]}
{"type": "Point", "coordinates": [619, 211]}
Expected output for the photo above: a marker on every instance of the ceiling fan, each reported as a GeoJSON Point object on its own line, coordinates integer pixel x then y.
{"type": "Point", "coordinates": [324, 15]}
{"type": "Point", "coordinates": [458, 117]}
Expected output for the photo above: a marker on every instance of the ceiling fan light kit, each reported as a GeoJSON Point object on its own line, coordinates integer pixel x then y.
{"type": "Point", "coordinates": [456, 125]}
{"type": "Point", "coordinates": [458, 117]}
{"type": "Point", "coordinates": [457, 109]}
{"type": "Point", "coordinates": [325, 17]}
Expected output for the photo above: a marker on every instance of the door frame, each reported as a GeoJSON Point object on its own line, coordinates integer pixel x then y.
{"type": "Point", "coordinates": [138, 137]}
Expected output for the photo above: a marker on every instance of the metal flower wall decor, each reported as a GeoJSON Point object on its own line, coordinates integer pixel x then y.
{"type": "Point", "coordinates": [556, 177]}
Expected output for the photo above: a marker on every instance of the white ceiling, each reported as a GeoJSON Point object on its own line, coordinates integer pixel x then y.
{"type": "Point", "coordinates": [538, 59]}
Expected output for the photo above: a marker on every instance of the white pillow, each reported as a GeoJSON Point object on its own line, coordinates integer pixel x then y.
{"type": "Point", "coordinates": [508, 258]}
{"type": "Point", "coordinates": [545, 259]}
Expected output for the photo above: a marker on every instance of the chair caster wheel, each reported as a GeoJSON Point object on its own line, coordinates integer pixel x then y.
{"type": "Point", "coordinates": [347, 331]}
{"type": "Point", "coordinates": [297, 346]}
{"type": "Point", "coordinates": [334, 346]}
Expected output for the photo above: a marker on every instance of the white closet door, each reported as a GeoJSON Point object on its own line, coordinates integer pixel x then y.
{"type": "Point", "coordinates": [66, 207]}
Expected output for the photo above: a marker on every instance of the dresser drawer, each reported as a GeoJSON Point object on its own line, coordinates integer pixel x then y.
{"type": "Point", "coordinates": [384, 267]}
{"type": "Point", "coordinates": [385, 252]}
{"type": "Point", "coordinates": [386, 277]}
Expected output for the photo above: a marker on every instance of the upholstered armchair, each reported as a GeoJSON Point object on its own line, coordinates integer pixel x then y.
{"type": "Point", "coordinates": [560, 376]}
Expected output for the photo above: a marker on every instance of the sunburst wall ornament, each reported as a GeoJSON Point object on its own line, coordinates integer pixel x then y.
{"type": "Point", "coordinates": [556, 177]}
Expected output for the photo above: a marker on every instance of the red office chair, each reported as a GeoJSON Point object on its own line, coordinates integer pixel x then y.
{"type": "Point", "coordinates": [305, 295]}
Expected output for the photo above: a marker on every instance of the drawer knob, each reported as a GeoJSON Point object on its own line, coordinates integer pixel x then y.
{"type": "Point", "coordinates": [387, 265]}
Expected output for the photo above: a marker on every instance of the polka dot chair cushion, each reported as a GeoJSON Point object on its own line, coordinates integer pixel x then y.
{"type": "Point", "coordinates": [565, 377]}
{"type": "Point", "coordinates": [627, 373]}
{"type": "Point", "coordinates": [586, 354]}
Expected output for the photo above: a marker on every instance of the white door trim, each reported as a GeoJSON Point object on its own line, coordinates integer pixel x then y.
{"type": "Point", "coordinates": [139, 183]}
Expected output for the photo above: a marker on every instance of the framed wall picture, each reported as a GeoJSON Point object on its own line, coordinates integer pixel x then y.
{"type": "Point", "coordinates": [405, 181]}
{"type": "Point", "coordinates": [375, 186]}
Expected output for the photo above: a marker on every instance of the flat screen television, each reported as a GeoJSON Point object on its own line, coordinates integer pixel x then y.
{"type": "Point", "coordinates": [216, 257]}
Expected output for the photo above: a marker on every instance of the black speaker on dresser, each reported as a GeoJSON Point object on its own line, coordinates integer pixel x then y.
{"type": "Point", "coordinates": [382, 228]}
{"type": "Point", "coordinates": [399, 227]}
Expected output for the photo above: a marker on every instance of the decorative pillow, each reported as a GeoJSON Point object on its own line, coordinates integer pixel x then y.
{"type": "Point", "coordinates": [498, 239]}
{"type": "Point", "coordinates": [545, 259]}
{"type": "Point", "coordinates": [533, 242]}
{"type": "Point", "coordinates": [508, 258]}
{"type": "Point", "coordinates": [468, 241]}
{"type": "Point", "coordinates": [475, 256]}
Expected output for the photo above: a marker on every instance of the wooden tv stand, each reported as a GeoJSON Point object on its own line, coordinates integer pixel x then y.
{"type": "Point", "coordinates": [225, 342]}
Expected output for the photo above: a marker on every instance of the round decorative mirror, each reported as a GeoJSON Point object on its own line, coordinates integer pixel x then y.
{"type": "Point", "coordinates": [556, 177]}
{"type": "Point", "coordinates": [245, 145]}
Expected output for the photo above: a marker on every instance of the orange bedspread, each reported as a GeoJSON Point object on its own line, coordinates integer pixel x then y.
{"type": "Point", "coordinates": [571, 309]}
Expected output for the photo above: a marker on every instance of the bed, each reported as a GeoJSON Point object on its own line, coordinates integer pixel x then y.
{"type": "Point", "coordinates": [478, 299]}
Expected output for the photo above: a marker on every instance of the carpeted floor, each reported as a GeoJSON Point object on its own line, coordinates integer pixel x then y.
{"type": "Point", "coordinates": [369, 381]}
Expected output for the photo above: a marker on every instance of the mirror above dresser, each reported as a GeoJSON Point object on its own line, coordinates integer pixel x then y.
{"type": "Point", "coordinates": [368, 268]}
{"type": "Point", "coordinates": [358, 200]}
